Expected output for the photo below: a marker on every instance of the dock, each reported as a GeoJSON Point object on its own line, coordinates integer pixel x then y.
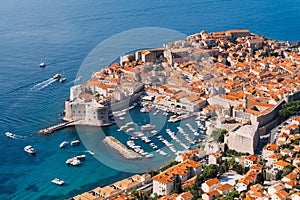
{"type": "Point", "coordinates": [56, 127]}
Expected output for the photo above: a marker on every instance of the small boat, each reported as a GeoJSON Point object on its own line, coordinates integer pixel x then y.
{"type": "Point", "coordinates": [42, 64]}
{"type": "Point", "coordinates": [129, 130]}
{"type": "Point", "coordinates": [91, 152]}
{"type": "Point", "coordinates": [56, 76]}
{"type": "Point", "coordinates": [63, 144]}
{"type": "Point", "coordinates": [149, 155]}
{"type": "Point", "coordinates": [75, 162]}
{"type": "Point", "coordinates": [81, 157]}
{"type": "Point", "coordinates": [58, 181]}
{"type": "Point", "coordinates": [29, 149]}
{"type": "Point", "coordinates": [62, 79]}
{"type": "Point", "coordinates": [148, 127]}
{"type": "Point", "coordinates": [134, 138]}
{"type": "Point", "coordinates": [10, 135]}
{"type": "Point", "coordinates": [75, 142]}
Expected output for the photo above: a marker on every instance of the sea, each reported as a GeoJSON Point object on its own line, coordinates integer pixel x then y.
{"type": "Point", "coordinates": [63, 33]}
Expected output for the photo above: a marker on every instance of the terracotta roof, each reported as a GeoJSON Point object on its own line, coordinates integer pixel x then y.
{"type": "Point", "coordinates": [224, 187]}
{"type": "Point", "coordinates": [281, 163]}
{"type": "Point", "coordinates": [186, 196]}
{"type": "Point", "coordinates": [212, 182]}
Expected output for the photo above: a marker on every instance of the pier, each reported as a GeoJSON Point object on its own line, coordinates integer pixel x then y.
{"type": "Point", "coordinates": [56, 127]}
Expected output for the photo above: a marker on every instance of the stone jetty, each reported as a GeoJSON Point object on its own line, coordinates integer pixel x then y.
{"type": "Point", "coordinates": [121, 148]}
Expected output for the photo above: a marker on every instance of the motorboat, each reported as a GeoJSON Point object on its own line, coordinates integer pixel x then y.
{"type": "Point", "coordinates": [58, 181]}
{"type": "Point", "coordinates": [56, 76]}
{"type": "Point", "coordinates": [148, 127]}
{"type": "Point", "coordinates": [10, 135]}
{"type": "Point", "coordinates": [75, 162]}
{"type": "Point", "coordinates": [129, 130]}
{"type": "Point", "coordinates": [63, 144]}
{"type": "Point", "coordinates": [133, 138]}
{"type": "Point", "coordinates": [75, 142]}
{"type": "Point", "coordinates": [42, 64]}
{"type": "Point", "coordinates": [29, 149]}
{"type": "Point", "coordinates": [62, 79]}
{"type": "Point", "coordinates": [81, 157]}
{"type": "Point", "coordinates": [150, 155]}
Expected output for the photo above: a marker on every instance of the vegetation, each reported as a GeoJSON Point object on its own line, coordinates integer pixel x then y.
{"type": "Point", "coordinates": [210, 171]}
{"type": "Point", "coordinates": [177, 187]}
{"type": "Point", "coordinates": [231, 152]}
{"type": "Point", "coordinates": [290, 109]}
{"type": "Point", "coordinates": [131, 57]}
{"type": "Point", "coordinates": [288, 169]}
{"type": "Point", "coordinates": [171, 164]}
{"type": "Point", "coordinates": [219, 135]}
{"type": "Point", "coordinates": [259, 178]}
{"type": "Point", "coordinates": [141, 195]}
{"type": "Point", "coordinates": [233, 194]}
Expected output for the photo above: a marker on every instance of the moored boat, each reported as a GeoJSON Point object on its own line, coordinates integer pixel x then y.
{"type": "Point", "coordinates": [29, 149]}
{"type": "Point", "coordinates": [148, 127]}
{"type": "Point", "coordinates": [63, 144]}
{"type": "Point", "coordinates": [58, 181]}
{"type": "Point", "coordinates": [75, 142]}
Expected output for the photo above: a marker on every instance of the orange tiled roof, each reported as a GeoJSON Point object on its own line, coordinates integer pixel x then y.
{"type": "Point", "coordinates": [281, 163]}
{"type": "Point", "coordinates": [212, 182]}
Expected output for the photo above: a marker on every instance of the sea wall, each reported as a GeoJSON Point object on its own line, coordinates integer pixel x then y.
{"type": "Point", "coordinates": [120, 148]}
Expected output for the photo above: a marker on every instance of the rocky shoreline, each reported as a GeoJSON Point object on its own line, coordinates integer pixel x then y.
{"type": "Point", "coordinates": [121, 148]}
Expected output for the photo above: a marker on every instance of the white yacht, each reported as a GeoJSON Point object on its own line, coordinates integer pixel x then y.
{"type": "Point", "coordinates": [10, 135]}
{"type": "Point", "coordinates": [58, 181]}
{"type": "Point", "coordinates": [56, 76]}
{"type": "Point", "coordinates": [29, 149]}
{"type": "Point", "coordinates": [75, 142]}
{"type": "Point", "coordinates": [148, 127]}
{"type": "Point", "coordinates": [42, 63]}
{"type": "Point", "coordinates": [63, 144]}
{"type": "Point", "coordinates": [62, 79]}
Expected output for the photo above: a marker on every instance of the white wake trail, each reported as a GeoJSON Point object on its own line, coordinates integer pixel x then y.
{"type": "Point", "coordinates": [43, 84]}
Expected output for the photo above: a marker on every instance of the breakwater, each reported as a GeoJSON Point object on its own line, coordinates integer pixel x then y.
{"type": "Point", "coordinates": [121, 148]}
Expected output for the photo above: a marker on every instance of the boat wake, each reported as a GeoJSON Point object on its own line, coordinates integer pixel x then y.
{"type": "Point", "coordinates": [43, 84]}
{"type": "Point", "coordinates": [14, 136]}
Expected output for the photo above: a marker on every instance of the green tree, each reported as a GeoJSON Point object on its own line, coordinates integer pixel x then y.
{"type": "Point", "coordinates": [210, 171]}
{"type": "Point", "coordinates": [259, 178]}
{"type": "Point", "coordinates": [233, 194]}
{"type": "Point", "coordinates": [238, 168]}
{"type": "Point", "coordinates": [177, 188]}
{"type": "Point", "coordinates": [131, 57]}
{"type": "Point", "coordinates": [288, 169]}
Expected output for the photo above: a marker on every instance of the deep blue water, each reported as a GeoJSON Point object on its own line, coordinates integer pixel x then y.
{"type": "Point", "coordinates": [63, 33]}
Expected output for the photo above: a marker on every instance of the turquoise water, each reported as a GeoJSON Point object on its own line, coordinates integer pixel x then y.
{"type": "Point", "coordinates": [63, 33]}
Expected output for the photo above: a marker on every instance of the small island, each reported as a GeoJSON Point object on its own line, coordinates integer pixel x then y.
{"type": "Point", "coordinates": [120, 148]}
